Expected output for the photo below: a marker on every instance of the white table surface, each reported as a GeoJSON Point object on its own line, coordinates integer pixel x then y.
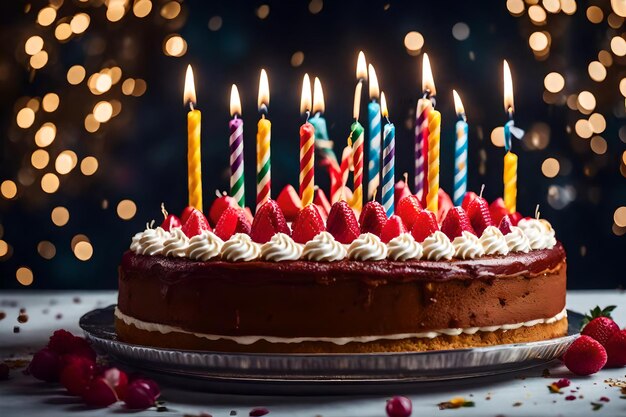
{"type": "Point", "coordinates": [494, 396]}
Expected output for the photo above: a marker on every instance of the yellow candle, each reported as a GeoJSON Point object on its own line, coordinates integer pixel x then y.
{"type": "Point", "coordinates": [263, 138]}
{"type": "Point", "coordinates": [194, 165]}
{"type": "Point", "coordinates": [434, 134]}
{"type": "Point", "coordinates": [510, 181]}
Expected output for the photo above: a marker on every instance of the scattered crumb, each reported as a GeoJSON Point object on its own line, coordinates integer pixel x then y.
{"type": "Point", "coordinates": [8, 303]}
{"type": "Point", "coordinates": [45, 311]}
{"type": "Point", "coordinates": [604, 399]}
{"type": "Point", "coordinates": [545, 373]}
{"type": "Point", "coordinates": [22, 318]}
{"type": "Point", "coordinates": [2, 315]}
{"type": "Point", "coordinates": [76, 300]}
{"type": "Point", "coordinates": [517, 404]}
{"type": "Point", "coordinates": [233, 412]}
{"type": "Point", "coordinates": [570, 398]}
{"type": "Point", "coordinates": [259, 411]}
{"type": "Point", "coordinates": [16, 329]}
{"type": "Point", "coordinates": [22, 310]}
{"type": "Point", "coordinates": [59, 316]}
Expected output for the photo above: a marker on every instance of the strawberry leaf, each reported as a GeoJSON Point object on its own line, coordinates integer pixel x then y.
{"type": "Point", "coordinates": [598, 312]}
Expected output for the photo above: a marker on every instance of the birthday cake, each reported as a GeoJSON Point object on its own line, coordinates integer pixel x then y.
{"type": "Point", "coordinates": [342, 285]}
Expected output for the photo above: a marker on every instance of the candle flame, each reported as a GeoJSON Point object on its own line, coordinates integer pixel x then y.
{"type": "Point", "coordinates": [189, 95]}
{"type": "Point", "coordinates": [374, 89]}
{"type": "Point", "coordinates": [383, 105]}
{"type": "Point", "coordinates": [357, 101]}
{"type": "Point", "coordinates": [509, 105]}
{"type": "Point", "coordinates": [305, 98]}
{"type": "Point", "coordinates": [458, 104]}
{"type": "Point", "coordinates": [235, 101]}
{"type": "Point", "coordinates": [428, 82]}
{"type": "Point", "coordinates": [264, 92]}
{"type": "Point", "coordinates": [361, 67]}
{"type": "Point", "coordinates": [318, 97]}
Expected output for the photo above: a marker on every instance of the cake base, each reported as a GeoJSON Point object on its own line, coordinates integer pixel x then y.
{"type": "Point", "coordinates": [179, 340]}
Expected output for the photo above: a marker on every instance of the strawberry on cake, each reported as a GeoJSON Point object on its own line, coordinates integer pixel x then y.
{"type": "Point", "coordinates": [332, 280]}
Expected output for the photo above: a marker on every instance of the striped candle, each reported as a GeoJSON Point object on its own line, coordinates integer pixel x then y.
{"type": "Point", "coordinates": [322, 142]}
{"type": "Point", "coordinates": [460, 152]}
{"type": "Point", "coordinates": [307, 147]}
{"type": "Point", "coordinates": [236, 149]}
{"type": "Point", "coordinates": [510, 159]}
{"type": "Point", "coordinates": [357, 139]}
{"type": "Point", "coordinates": [374, 124]}
{"type": "Point", "coordinates": [344, 172]}
{"type": "Point", "coordinates": [421, 144]}
{"type": "Point", "coordinates": [263, 139]}
{"type": "Point", "coordinates": [389, 156]}
{"type": "Point", "coordinates": [434, 133]}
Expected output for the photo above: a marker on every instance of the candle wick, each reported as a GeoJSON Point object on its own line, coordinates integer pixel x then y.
{"type": "Point", "coordinates": [191, 105]}
{"type": "Point", "coordinates": [432, 100]}
{"type": "Point", "coordinates": [308, 113]}
{"type": "Point", "coordinates": [387, 117]}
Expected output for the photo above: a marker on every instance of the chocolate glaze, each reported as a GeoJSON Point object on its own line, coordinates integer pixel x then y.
{"type": "Point", "coordinates": [340, 299]}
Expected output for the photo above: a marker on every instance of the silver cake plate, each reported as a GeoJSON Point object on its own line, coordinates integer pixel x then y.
{"type": "Point", "coordinates": [319, 373]}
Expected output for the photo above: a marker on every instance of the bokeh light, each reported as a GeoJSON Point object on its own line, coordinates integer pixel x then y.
{"type": "Point", "coordinates": [297, 59]}
{"type": "Point", "coordinates": [89, 165]}
{"type": "Point", "coordinates": [40, 159]}
{"type": "Point", "coordinates": [25, 118]}
{"type": "Point", "coordinates": [60, 216]}
{"type": "Point", "coordinates": [413, 42]}
{"type": "Point", "coordinates": [24, 276]}
{"type": "Point", "coordinates": [554, 82]}
{"type": "Point", "coordinates": [126, 209]}
{"type": "Point", "coordinates": [46, 249]}
{"type": "Point", "coordinates": [8, 189]}
{"type": "Point", "coordinates": [83, 250]}
{"type": "Point", "coordinates": [76, 74]}
{"type": "Point", "coordinates": [50, 183]}
{"type": "Point", "coordinates": [550, 167]}
{"type": "Point", "coordinates": [175, 46]}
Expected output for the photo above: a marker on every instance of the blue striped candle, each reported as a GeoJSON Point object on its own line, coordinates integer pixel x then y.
{"type": "Point", "coordinates": [375, 125]}
{"type": "Point", "coordinates": [460, 152]}
{"type": "Point", "coordinates": [389, 157]}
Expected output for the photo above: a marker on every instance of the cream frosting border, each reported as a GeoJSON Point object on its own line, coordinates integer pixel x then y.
{"type": "Point", "coordinates": [248, 340]}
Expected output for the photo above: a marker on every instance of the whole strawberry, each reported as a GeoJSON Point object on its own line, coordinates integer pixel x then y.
{"type": "Point", "coordinates": [601, 329]}
{"type": "Point", "coordinates": [408, 209]}
{"type": "Point", "coordinates": [268, 221]}
{"type": "Point", "coordinates": [585, 356]}
{"type": "Point", "coordinates": [308, 224]}
{"type": "Point", "coordinates": [616, 349]}
{"type": "Point", "coordinates": [342, 223]}
{"type": "Point", "coordinates": [393, 228]}
{"type": "Point", "coordinates": [373, 218]}
{"type": "Point", "coordinates": [455, 223]}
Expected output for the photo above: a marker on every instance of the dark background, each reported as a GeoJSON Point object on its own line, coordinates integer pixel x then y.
{"type": "Point", "coordinates": [142, 151]}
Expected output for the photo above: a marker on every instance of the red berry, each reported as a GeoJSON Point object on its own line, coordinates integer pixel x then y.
{"type": "Point", "coordinates": [399, 407]}
{"type": "Point", "coordinates": [400, 190]}
{"type": "Point", "coordinates": [118, 380]}
{"type": "Point", "coordinates": [479, 216]}
{"type": "Point", "coordinates": [196, 224]}
{"type": "Point", "coordinates": [601, 329]}
{"type": "Point", "coordinates": [77, 374]}
{"type": "Point", "coordinates": [497, 209]}
{"type": "Point", "coordinates": [219, 205]}
{"type": "Point", "coordinates": [258, 412]}
{"type": "Point", "coordinates": [322, 202]}
{"type": "Point", "coordinates": [186, 213]}
{"type": "Point", "coordinates": [444, 204]}
{"type": "Point", "coordinates": [171, 221]}
{"type": "Point", "coordinates": [469, 197]}
{"type": "Point", "coordinates": [616, 349]}
{"type": "Point", "coordinates": [505, 225]}
{"type": "Point", "coordinates": [289, 202]}
{"type": "Point", "coordinates": [455, 223]}
{"type": "Point", "coordinates": [268, 221]}
{"type": "Point", "coordinates": [372, 218]}
{"type": "Point", "coordinates": [233, 220]}
{"type": "Point", "coordinates": [585, 356]}
{"type": "Point", "coordinates": [425, 225]}
{"type": "Point", "coordinates": [139, 395]}
{"type": "Point", "coordinates": [308, 224]}
{"type": "Point", "coordinates": [99, 393]}
{"type": "Point", "coordinates": [342, 223]}
{"type": "Point", "coordinates": [62, 342]}
{"type": "Point", "coordinates": [516, 217]}
{"type": "Point", "coordinates": [408, 209]}
{"type": "Point", "coordinates": [393, 227]}
{"type": "Point", "coordinates": [150, 385]}
{"type": "Point", "coordinates": [45, 365]}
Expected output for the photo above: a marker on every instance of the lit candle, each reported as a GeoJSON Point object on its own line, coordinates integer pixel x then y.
{"type": "Point", "coordinates": [356, 140]}
{"type": "Point", "coordinates": [194, 165]}
{"type": "Point", "coordinates": [263, 137]}
{"type": "Point", "coordinates": [434, 133]}
{"type": "Point", "coordinates": [236, 149]}
{"type": "Point", "coordinates": [374, 119]}
{"type": "Point", "coordinates": [307, 147]}
{"type": "Point", "coordinates": [424, 106]}
{"type": "Point", "coordinates": [510, 159]}
{"type": "Point", "coordinates": [460, 152]}
{"type": "Point", "coordinates": [345, 167]}
{"type": "Point", "coordinates": [389, 156]}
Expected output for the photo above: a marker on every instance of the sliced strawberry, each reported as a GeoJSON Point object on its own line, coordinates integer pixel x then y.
{"type": "Point", "coordinates": [373, 218]}
{"type": "Point", "coordinates": [516, 217]}
{"type": "Point", "coordinates": [444, 204]}
{"type": "Point", "coordinates": [408, 208]}
{"type": "Point", "coordinates": [220, 204]}
{"type": "Point", "coordinates": [479, 215]}
{"type": "Point", "coordinates": [497, 210]}
{"type": "Point", "coordinates": [170, 221]}
{"type": "Point", "coordinates": [289, 202]}
{"type": "Point", "coordinates": [248, 213]}
{"type": "Point", "coordinates": [322, 202]}
{"type": "Point", "coordinates": [233, 220]}
{"type": "Point", "coordinates": [342, 223]}
{"type": "Point", "coordinates": [400, 190]}
{"type": "Point", "coordinates": [469, 196]}
{"type": "Point", "coordinates": [196, 223]}
{"type": "Point", "coordinates": [308, 224]}
{"type": "Point", "coordinates": [393, 227]}
{"type": "Point", "coordinates": [505, 225]}
{"type": "Point", "coordinates": [455, 223]}
{"type": "Point", "coordinates": [186, 213]}
{"type": "Point", "coordinates": [425, 225]}
{"type": "Point", "coordinates": [268, 221]}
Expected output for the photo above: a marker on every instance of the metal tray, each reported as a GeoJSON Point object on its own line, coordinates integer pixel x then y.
{"type": "Point", "coordinates": [318, 373]}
